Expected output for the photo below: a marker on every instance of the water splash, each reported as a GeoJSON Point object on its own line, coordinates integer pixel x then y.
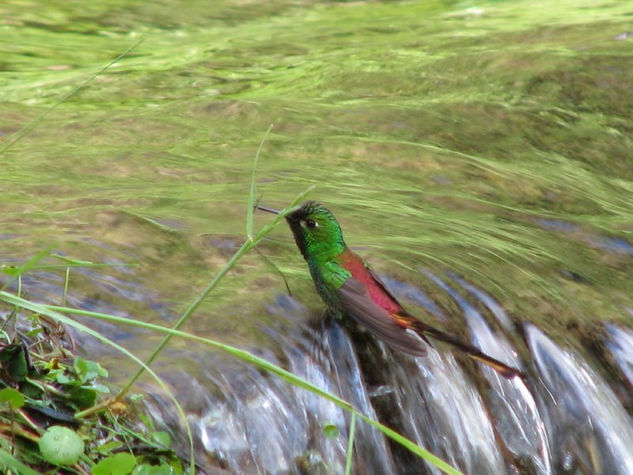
{"type": "Point", "coordinates": [515, 411]}
{"type": "Point", "coordinates": [495, 308]}
{"type": "Point", "coordinates": [620, 346]}
{"type": "Point", "coordinates": [517, 423]}
{"type": "Point", "coordinates": [438, 406]}
{"type": "Point", "coordinates": [565, 419]}
{"type": "Point", "coordinates": [588, 426]}
{"type": "Point", "coordinates": [259, 424]}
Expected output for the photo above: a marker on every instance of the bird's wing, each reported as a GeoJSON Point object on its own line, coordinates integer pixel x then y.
{"type": "Point", "coordinates": [379, 281]}
{"type": "Point", "coordinates": [408, 335]}
{"type": "Point", "coordinates": [357, 303]}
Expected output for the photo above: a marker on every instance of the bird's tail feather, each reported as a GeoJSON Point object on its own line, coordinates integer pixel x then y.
{"type": "Point", "coordinates": [472, 352]}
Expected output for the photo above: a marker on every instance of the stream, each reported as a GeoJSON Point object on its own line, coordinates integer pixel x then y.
{"type": "Point", "coordinates": [477, 154]}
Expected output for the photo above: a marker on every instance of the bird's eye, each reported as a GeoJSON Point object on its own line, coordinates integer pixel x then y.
{"type": "Point", "coordinates": [311, 223]}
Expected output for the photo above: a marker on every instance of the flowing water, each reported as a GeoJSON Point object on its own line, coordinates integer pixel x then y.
{"type": "Point", "coordinates": [477, 154]}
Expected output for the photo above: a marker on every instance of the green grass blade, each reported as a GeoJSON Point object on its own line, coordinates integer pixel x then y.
{"type": "Point", "coordinates": [8, 461]}
{"type": "Point", "coordinates": [30, 264]}
{"type": "Point", "coordinates": [237, 352]}
{"type": "Point", "coordinates": [350, 444]}
{"type": "Point", "coordinates": [69, 262]}
{"type": "Point", "coordinates": [412, 446]}
{"type": "Point", "coordinates": [147, 220]}
{"type": "Point", "coordinates": [66, 281]}
{"type": "Point", "coordinates": [251, 195]}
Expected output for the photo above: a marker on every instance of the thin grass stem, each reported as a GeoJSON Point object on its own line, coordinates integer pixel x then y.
{"type": "Point", "coordinates": [66, 280]}
{"type": "Point", "coordinates": [17, 272]}
{"type": "Point", "coordinates": [350, 444]}
{"type": "Point", "coordinates": [251, 195]}
{"type": "Point", "coordinates": [411, 446]}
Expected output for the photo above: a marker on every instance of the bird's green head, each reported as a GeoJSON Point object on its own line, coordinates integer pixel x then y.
{"type": "Point", "coordinates": [316, 231]}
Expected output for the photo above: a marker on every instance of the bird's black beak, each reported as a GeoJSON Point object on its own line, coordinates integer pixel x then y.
{"type": "Point", "coordinates": [268, 210]}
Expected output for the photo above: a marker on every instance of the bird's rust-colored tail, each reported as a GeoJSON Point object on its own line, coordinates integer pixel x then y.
{"type": "Point", "coordinates": [472, 352]}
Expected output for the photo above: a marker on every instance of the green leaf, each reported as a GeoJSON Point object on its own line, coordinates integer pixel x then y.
{"type": "Point", "coordinates": [14, 271]}
{"type": "Point", "coordinates": [14, 361]}
{"type": "Point", "coordinates": [35, 331]}
{"type": "Point", "coordinates": [119, 464]}
{"type": "Point", "coordinates": [82, 397]}
{"type": "Point", "coordinates": [31, 390]}
{"type": "Point", "coordinates": [146, 469]}
{"type": "Point", "coordinates": [10, 270]}
{"type": "Point", "coordinates": [100, 388]}
{"type": "Point", "coordinates": [147, 421]}
{"type": "Point", "coordinates": [13, 397]}
{"type": "Point", "coordinates": [136, 397]}
{"type": "Point", "coordinates": [61, 446]}
{"type": "Point", "coordinates": [18, 368]}
{"type": "Point", "coordinates": [162, 437]}
{"type": "Point", "coordinates": [330, 430]}
{"type": "Point", "coordinates": [62, 378]}
{"type": "Point", "coordinates": [9, 461]}
{"type": "Point", "coordinates": [87, 370]}
{"type": "Point", "coordinates": [72, 261]}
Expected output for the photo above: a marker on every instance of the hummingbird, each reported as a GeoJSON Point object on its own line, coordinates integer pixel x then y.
{"type": "Point", "coordinates": [348, 286]}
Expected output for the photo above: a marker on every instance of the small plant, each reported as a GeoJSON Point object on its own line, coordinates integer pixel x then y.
{"type": "Point", "coordinates": [45, 385]}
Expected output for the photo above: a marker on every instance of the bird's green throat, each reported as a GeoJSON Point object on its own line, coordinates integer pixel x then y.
{"type": "Point", "coordinates": [316, 232]}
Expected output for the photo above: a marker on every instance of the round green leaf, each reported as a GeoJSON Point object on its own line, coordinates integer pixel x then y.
{"type": "Point", "coordinates": [13, 397]}
{"type": "Point", "coordinates": [61, 446]}
{"type": "Point", "coordinates": [119, 464]}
